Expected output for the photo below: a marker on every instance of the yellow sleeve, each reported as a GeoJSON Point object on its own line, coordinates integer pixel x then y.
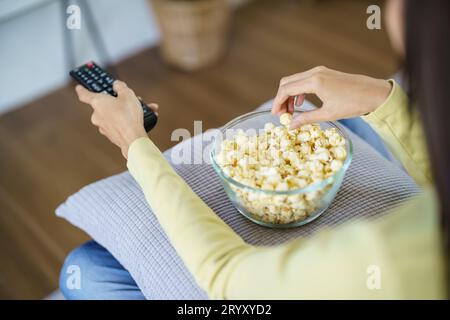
{"type": "Point", "coordinates": [402, 132]}
{"type": "Point", "coordinates": [360, 260]}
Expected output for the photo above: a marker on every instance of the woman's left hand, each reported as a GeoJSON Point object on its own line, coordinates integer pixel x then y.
{"type": "Point", "coordinates": [120, 118]}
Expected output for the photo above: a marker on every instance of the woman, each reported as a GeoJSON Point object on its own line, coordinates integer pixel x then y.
{"type": "Point", "coordinates": [409, 245]}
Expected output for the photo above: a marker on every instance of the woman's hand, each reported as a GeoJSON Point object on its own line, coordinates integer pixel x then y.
{"type": "Point", "coordinates": [120, 118]}
{"type": "Point", "coordinates": [343, 95]}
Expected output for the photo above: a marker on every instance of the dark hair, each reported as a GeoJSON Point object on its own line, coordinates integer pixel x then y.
{"type": "Point", "coordinates": [427, 25]}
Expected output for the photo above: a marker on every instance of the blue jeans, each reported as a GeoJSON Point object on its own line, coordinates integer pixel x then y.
{"type": "Point", "coordinates": [365, 132]}
{"type": "Point", "coordinates": [91, 272]}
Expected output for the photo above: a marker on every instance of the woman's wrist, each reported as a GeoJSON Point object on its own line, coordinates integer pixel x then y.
{"type": "Point", "coordinates": [131, 136]}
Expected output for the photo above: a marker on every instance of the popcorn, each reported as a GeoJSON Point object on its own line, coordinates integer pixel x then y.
{"type": "Point", "coordinates": [315, 166]}
{"type": "Point", "coordinates": [339, 153]}
{"type": "Point", "coordinates": [321, 154]}
{"type": "Point", "coordinates": [335, 165]}
{"type": "Point", "coordinates": [304, 136]}
{"type": "Point", "coordinates": [285, 143]}
{"type": "Point", "coordinates": [334, 138]}
{"type": "Point", "coordinates": [241, 139]}
{"type": "Point", "coordinates": [269, 127]}
{"type": "Point", "coordinates": [281, 159]}
{"type": "Point", "coordinates": [286, 119]}
{"type": "Point", "coordinates": [315, 132]}
{"type": "Point", "coordinates": [279, 132]}
{"type": "Point", "coordinates": [304, 149]}
{"type": "Point", "coordinates": [283, 186]}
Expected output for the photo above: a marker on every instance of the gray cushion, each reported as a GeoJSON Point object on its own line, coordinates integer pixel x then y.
{"type": "Point", "coordinates": [114, 212]}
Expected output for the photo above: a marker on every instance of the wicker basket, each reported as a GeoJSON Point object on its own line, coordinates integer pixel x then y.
{"type": "Point", "coordinates": [194, 33]}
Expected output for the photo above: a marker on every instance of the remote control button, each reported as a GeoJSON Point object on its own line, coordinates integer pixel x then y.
{"type": "Point", "coordinates": [96, 87]}
{"type": "Point", "coordinates": [90, 64]}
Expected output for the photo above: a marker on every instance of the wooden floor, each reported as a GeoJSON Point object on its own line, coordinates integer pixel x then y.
{"type": "Point", "coordinates": [49, 149]}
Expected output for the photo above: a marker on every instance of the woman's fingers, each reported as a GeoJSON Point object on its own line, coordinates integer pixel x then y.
{"type": "Point", "coordinates": [294, 102]}
{"type": "Point", "coordinates": [95, 100]}
{"type": "Point", "coordinates": [309, 76]}
{"type": "Point", "coordinates": [292, 89]}
{"type": "Point", "coordinates": [302, 75]}
{"type": "Point", "coordinates": [291, 105]}
{"type": "Point", "coordinates": [154, 107]}
{"type": "Point", "coordinates": [300, 100]}
{"type": "Point", "coordinates": [320, 114]}
{"type": "Point", "coordinates": [343, 95]}
{"type": "Point", "coordinates": [119, 86]}
{"type": "Point", "coordinates": [84, 95]}
{"type": "Point", "coordinates": [124, 124]}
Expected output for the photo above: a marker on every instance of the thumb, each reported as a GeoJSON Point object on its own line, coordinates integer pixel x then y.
{"type": "Point", "coordinates": [119, 86]}
{"type": "Point", "coordinates": [84, 95]}
{"type": "Point", "coordinates": [307, 117]}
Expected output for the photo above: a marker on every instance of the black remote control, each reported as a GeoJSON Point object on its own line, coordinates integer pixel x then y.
{"type": "Point", "coordinates": [95, 79]}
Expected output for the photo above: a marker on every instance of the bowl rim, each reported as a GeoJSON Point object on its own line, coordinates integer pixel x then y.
{"type": "Point", "coordinates": [312, 187]}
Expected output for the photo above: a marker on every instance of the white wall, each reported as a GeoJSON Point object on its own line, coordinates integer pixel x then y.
{"type": "Point", "coordinates": [32, 56]}
{"type": "Point", "coordinates": [32, 60]}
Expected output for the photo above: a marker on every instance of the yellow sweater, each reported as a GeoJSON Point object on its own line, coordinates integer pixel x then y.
{"type": "Point", "coordinates": [398, 256]}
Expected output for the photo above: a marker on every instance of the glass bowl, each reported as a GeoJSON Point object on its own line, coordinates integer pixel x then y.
{"type": "Point", "coordinates": [298, 206]}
